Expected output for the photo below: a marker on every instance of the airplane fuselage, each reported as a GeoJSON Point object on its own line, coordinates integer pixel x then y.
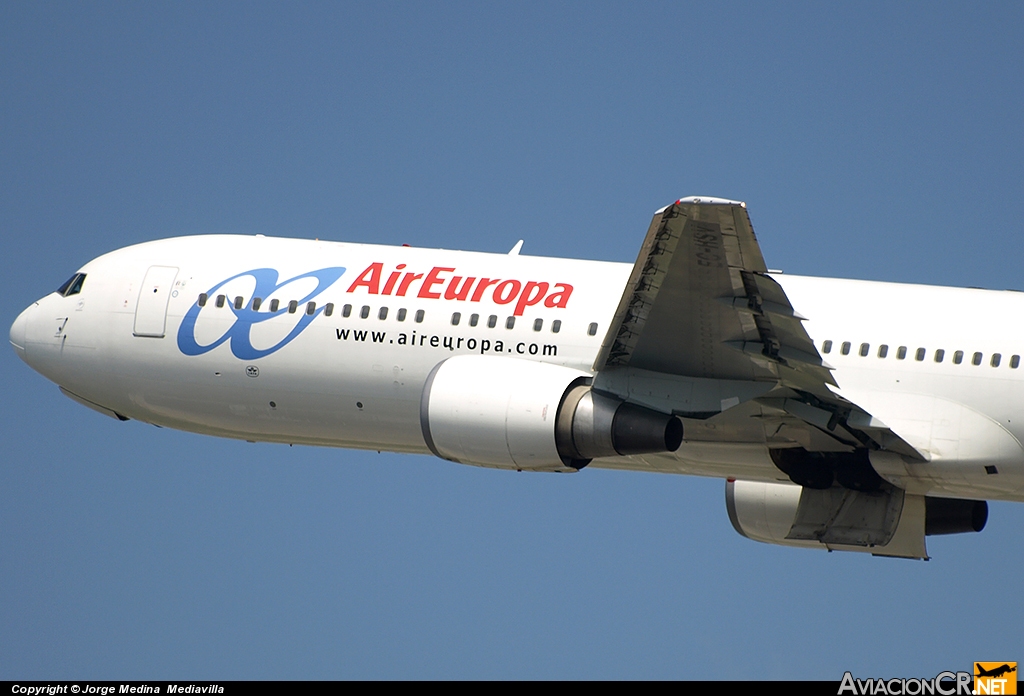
{"type": "Point", "coordinates": [324, 343]}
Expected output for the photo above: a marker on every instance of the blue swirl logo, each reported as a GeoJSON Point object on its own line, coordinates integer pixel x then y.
{"type": "Point", "coordinates": [238, 334]}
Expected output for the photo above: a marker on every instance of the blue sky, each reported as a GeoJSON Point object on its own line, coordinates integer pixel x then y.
{"type": "Point", "coordinates": [870, 140]}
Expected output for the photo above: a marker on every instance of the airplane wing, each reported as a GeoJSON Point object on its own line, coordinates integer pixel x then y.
{"type": "Point", "coordinates": [700, 303]}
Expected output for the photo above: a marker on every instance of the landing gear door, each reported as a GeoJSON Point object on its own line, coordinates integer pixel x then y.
{"type": "Point", "coordinates": [151, 311]}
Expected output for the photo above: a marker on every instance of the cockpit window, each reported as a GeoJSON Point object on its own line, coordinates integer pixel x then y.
{"type": "Point", "coordinates": [73, 286]}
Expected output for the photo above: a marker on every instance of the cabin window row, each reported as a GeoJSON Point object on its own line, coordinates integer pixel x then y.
{"type": "Point", "coordinates": [382, 313]}
{"type": "Point", "coordinates": [310, 308]}
{"type": "Point", "coordinates": [510, 322]}
{"type": "Point", "coordinates": [977, 358]}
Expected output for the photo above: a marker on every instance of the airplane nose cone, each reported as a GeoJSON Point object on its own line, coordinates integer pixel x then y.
{"type": "Point", "coordinates": [18, 330]}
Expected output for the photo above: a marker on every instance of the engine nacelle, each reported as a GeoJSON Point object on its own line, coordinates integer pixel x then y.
{"type": "Point", "coordinates": [887, 522]}
{"type": "Point", "coordinates": [517, 414]}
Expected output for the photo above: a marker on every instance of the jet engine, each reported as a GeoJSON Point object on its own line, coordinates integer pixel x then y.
{"type": "Point", "coordinates": [884, 522]}
{"type": "Point", "coordinates": [517, 414]}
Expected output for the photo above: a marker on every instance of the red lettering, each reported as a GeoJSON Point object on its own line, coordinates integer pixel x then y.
{"type": "Point", "coordinates": [559, 299]}
{"type": "Point", "coordinates": [370, 279]}
{"type": "Point", "coordinates": [430, 281]}
{"type": "Point", "coordinates": [532, 294]}
{"type": "Point", "coordinates": [409, 277]}
{"type": "Point", "coordinates": [501, 297]}
{"type": "Point", "coordinates": [480, 287]}
{"type": "Point", "coordinates": [454, 292]}
{"type": "Point", "coordinates": [390, 285]}
{"type": "Point", "coordinates": [458, 287]}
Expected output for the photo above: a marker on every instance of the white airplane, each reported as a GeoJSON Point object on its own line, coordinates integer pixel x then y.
{"type": "Point", "coordinates": [843, 414]}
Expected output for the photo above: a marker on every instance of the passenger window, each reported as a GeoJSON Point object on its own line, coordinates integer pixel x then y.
{"type": "Point", "coordinates": [901, 352]}
{"type": "Point", "coordinates": [474, 319]}
{"type": "Point", "coordinates": [1014, 362]}
{"type": "Point", "coordinates": [538, 324]}
{"type": "Point", "coordinates": [221, 300]}
{"type": "Point", "coordinates": [919, 355]}
{"type": "Point", "coordinates": [202, 299]}
{"type": "Point", "coordinates": [274, 304]}
{"type": "Point", "coordinates": [328, 309]}
{"type": "Point", "coordinates": [456, 318]}
{"type": "Point", "coordinates": [510, 322]}
{"type": "Point", "coordinates": [382, 313]}
{"type": "Point", "coordinates": [996, 357]}
{"type": "Point", "coordinates": [958, 357]}
{"type": "Point", "coordinates": [346, 311]}
{"type": "Point", "coordinates": [592, 329]}
{"type": "Point", "coordinates": [556, 326]}
{"type": "Point", "coordinates": [364, 313]}
{"type": "Point", "coordinates": [292, 306]}
{"type": "Point", "coordinates": [492, 321]}
{"type": "Point", "coordinates": [883, 350]}
{"type": "Point", "coordinates": [845, 348]}
{"type": "Point", "coordinates": [939, 355]}
{"type": "Point", "coordinates": [864, 348]}
{"type": "Point", "coordinates": [419, 316]}
{"type": "Point", "coordinates": [238, 302]}
{"type": "Point", "coordinates": [976, 359]}
{"type": "Point", "coordinates": [310, 308]}
{"type": "Point", "coordinates": [256, 302]}
{"type": "Point", "coordinates": [826, 347]}
{"type": "Point", "coordinates": [401, 314]}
